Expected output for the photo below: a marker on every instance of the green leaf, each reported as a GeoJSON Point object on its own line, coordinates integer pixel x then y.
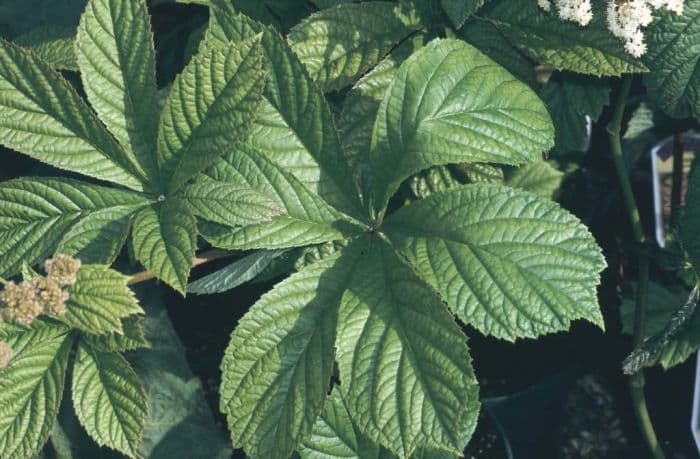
{"type": "Point", "coordinates": [114, 49]}
{"type": "Point", "coordinates": [24, 15]}
{"type": "Point", "coordinates": [361, 105]}
{"type": "Point", "coordinates": [108, 399]}
{"type": "Point", "coordinates": [662, 303]}
{"type": "Point", "coordinates": [405, 369]}
{"type": "Point", "coordinates": [209, 109]}
{"type": "Point", "coordinates": [507, 262]}
{"type": "Point", "coordinates": [490, 41]}
{"type": "Point", "coordinates": [431, 181]}
{"type": "Point", "coordinates": [131, 338]}
{"type": "Point", "coordinates": [42, 116]}
{"type": "Point", "coordinates": [235, 274]}
{"type": "Point", "coordinates": [53, 44]}
{"type": "Point", "coordinates": [449, 103]}
{"type": "Point", "coordinates": [277, 368]}
{"type": "Point", "coordinates": [229, 204]}
{"type": "Point", "coordinates": [570, 99]}
{"type": "Point", "coordinates": [565, 45]}
{"type": "Point", "coordinates": [481, 173]}
{"type": "Point", "coordinates": [31, 387]}
{"type": "Point", "coordinates": [459, 10]}
{"type": "Point", "coordinates": [690, 221]}
{"type": "Point", "coordinates": [308, 220]}
{"type": "Point", "coordinates": [165, 240]}
{"type": "Point", "coordinates": [99, 300]}
{"type": "Point", "coordinates": [179, 417]}
{"type": "Point", "coordinates": [538, 178]}
{"type": "Point", "coordinates": [673, 81]}
{"type": "Point", "coordinates": [294, 126]}
{"type": "Point", "coordinates": [335, 436]}
{"type": "Point", "coordinates": [36, 213]}
{"type": "Point", "coordinates": [98, 237]}
{"type": "Point", "coordinates": [337, 45]}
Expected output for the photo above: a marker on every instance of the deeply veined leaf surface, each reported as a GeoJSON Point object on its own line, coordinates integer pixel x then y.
{"type": "Point", "coordinates": [131, 337]}
{"type": "Point", "coordinates": [235, 274]}
{"type": "Point", "coordinates": [507, 262]}
{"type": "Point", "coordinates": [42, 116]}
{"type": "Point", "coordinates": [405, 370]}
{"type": "Point", "coordinates": [308, 219]}
{"type": "Point", "coordinates": [673, 59]}
{"type": "Point", "coordinates": [563, 44]}
{"type": "Point", "coordinates": [114, 49]}
{"type": "Point", "coordinates": [277, 368]}
{"type": "Point", "coordinates": [53, 44]}
{"type": "Point", "coordinates": [459, 10]}
{"type": "Point", "coordinates": [449, 103]}
{"type": "Point", "coordinates": [210, 109]}
{"type": "Point", "coordinates": [31, 387]}
{"type": "Point", "coordinates": [108, 399]}
{"type": "Point", "coordinates": [335, 436]}
{"type": "Point", "coordinates": [337, 45]}
{"type": "Point", "coordinates": [229, 204]}
{"type": "Point", "coordinates": [98, 237]}
{"type": "Point", "coordinates": [165, 240]}
{"type": "Point", "coordinates": [294, 126]}
{"type": "Point", "coordinates": [36, 213]}
{"type": "Point", "coordinates": [99, 300]}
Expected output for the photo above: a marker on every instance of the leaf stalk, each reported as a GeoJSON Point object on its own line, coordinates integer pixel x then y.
{"type": "Point", "coordinates": [636, 381]}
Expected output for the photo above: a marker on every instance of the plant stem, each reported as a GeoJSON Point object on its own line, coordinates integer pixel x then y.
{"type": "Point", "coordinates": [636, 381]}
{"type": "Point", "coordinates": [677, 183]}
{"type": "Point", "coordinates": [203, 258]}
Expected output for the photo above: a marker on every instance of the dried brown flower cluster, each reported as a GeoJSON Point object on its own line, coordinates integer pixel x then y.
{"type": "Point", "coordinates": [24, 302]}
{"type": "Point", "coordinates": [6, 354]}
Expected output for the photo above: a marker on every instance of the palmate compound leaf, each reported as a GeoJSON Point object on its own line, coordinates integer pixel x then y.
{"type": "Point", "coordinates": [673, 59]}
{"type": "Point", "coordinates": [114, 49]}
{"type": "Point", "coordinates": [109, 399]}
{"type": "Point", "coordinates": [294, 126]}
{"type": "Point", "coordinates": [99, 301]}
{"type": "Point", "coordinates": [36, 214]}
{"type": "Point", "coordinates": [31, 387]}
{"type": "Point", "coordinates": [565, 45]}
{"type": "Point", "coordinates": [210, 109]}
{"type": "Point", "coordinates": [42, 116]}
{"type": "Point", "coordinates": [308, 219]}
{"type": "Point", "coordinates": [405, 369]}
{"type": "Point", "coordinates": [507, 262]}
{"type": "Point", "coordinates": [277, 368]}
{"type": "Point", "coordinates": [165, 240]}
{"type": "Point", "coordinates": [449, 103]}
{"type": "Point", "coordinates": [337, 45]}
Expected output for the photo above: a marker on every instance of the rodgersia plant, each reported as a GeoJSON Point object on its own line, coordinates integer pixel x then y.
{"type": "Point", "coordinates": [414, 204]}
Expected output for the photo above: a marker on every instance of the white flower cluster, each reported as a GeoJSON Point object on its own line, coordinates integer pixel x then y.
{"type": "Point", "coordinates": [626, 18]}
